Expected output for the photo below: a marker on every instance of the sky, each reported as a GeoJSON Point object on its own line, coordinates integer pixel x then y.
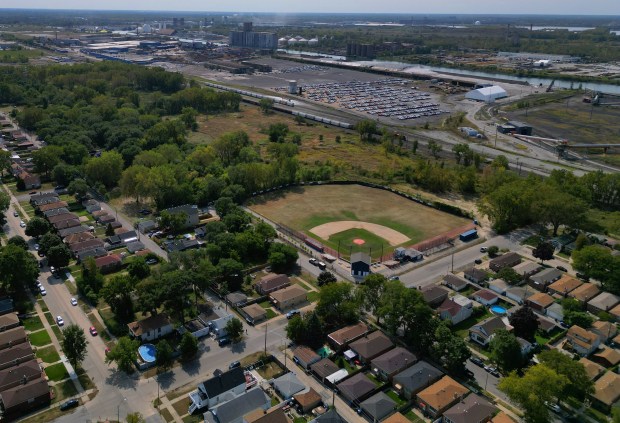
{"type": "Point", "coordinates": [554, 7]}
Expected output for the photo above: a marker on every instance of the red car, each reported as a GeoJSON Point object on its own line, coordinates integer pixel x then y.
{"type": "Point", "coordinates": [107, 350]}
{"type": "Point", "coordinates": [93, 331]}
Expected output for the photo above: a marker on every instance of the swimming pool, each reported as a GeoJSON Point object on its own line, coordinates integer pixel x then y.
{"type": "Point", "coordinates": [147, 353]}
{"type": "Point", "coordinates": [499, 310]}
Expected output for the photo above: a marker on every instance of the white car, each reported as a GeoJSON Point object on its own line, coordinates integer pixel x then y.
{"type": "Point", "coordinates": [59, 321]}
{"type": "Point", "coordinates": [43, 291]}
{"type": "Point", "coordinates": [22, 224]}
{"type": "Point", "coordinates": [73, 302]}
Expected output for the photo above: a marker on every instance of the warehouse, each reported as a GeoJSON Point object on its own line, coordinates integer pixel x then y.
{"type": "Point", "coordinates": [487, 94]}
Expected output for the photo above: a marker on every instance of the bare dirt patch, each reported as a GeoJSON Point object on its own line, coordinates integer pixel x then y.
{"type": "Point", "coordinates": [328, 229]}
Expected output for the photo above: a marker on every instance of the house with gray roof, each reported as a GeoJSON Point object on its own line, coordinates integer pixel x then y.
{"type": "Point", "coordinates": [234, 410]}
{"type": "Point", "coordinates": [356, 388]}
{"type": "Point", "coordinates": [287, 385]}
{"type": "Point", "coordinates": [324, 368]}
{"type": "Point", "coordinates": [434, 295]}
{"type": "Point", "coordinates": [371, 346]}
{"type": "Point", "coordinates": [519, 294]}
{"type": "Point", "coordinates": [236, 298]}
{"type": "Point", "coordinates": [331, 416]}
{"type": "Point", "coordinates": [499, 286]}
{"type": "Point", "coordinates": [541, 280]}
{"type": "Point", "coordinates": [190, 211]}
{"type": "Point", "coordinates": [378, 406]}
{"type": "Point", "coordinates": [475, 275]}
{"type": "Point", "coordinates": [527, 269]}
{"type": "Point", "coordinates": [483, 332]}
{"type": "Point", "coordinates": [454, 282]}
{"type": "Point", "coordinates": [392, 362]}
{"type": "Point", "coordinates": [416, 378]}
{"type": "Point", "coordinates": [509, 259]}
{"type": "Point", "coordinates": [604, 301]}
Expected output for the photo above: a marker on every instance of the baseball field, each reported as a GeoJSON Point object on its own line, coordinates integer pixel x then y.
{"type": "Point", "coordinates": [351, 218]}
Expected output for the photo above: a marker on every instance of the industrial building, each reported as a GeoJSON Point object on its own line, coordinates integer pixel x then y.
{"type": "Point", "coordinates": [250, 39]}
{"type": "Point", "coordinates": [487, 94]}
{"type": "Point", "coordinates": [360, 50]}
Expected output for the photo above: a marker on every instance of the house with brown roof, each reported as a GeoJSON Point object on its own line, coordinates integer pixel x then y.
{"type": "Point", "coordinates": [454, 312]}
{"type": "Point", "coordinates": [22, 398]}
{"type": "Point", "coordinates": [342, 337]}
{"type": "Point", "coordinates": [615, 312]}
{"type": "Point", "coordinates": [8, 321]}
{"type": "Point", "coordinates": [371, 346]}
{"type": "Point", "coordinates": [308, 400]}
{"type": "Point", "coordinates": [12, 337]}
{"type": "Point", "coordinates": [604, 330]}
{"type": "Point", "coordinates": [540, 301]}
{"type": "Point", "coordinates": [270, 283]}
{"type": "Point", "coordinates": [483, 332]}
{"type": "Point", "coordinates": [607, 357]}
{"type": "Point", "coordinates": [323, 368]}
{"type": "Point", "coordinates": [273, 415]}
{"type": "Point", "coordinates": [28, 180]}
{"type": "Point", "coordinates": [583, 342]}
{"type": "Point", "coordinates": [473, 409]}
{"type": "Point", "coordinates": [151, 328]}
{"type": "Point", "coordinates": [485, 297]}
{"type": "Point", "coordinates": [455, 282]}
{"type": "Point", "coordinates": [304, 356]}
{"type": "Point", "coordinates": [61, 217]}
{"type": "Point", "coordinates": [527, 269]}
{"type": "Point", "coordinates": [15, 355]}
{"type": "Point", "coordinates": [109, 264]}
{"type": "Point", "coordinates": [585, 292]}
{"type": "Point", "coordinates": [593, 369]}
{"type": "Point", "coordinates": [88, 244]}
{"type": "Point", "coordinates": [440, 396]}
{"type": "Point", "coordinates": [606, 391]}
{"type": "Point", "coordinates": [502, 417]}
{"type": "Point", "coordinates": [288, 297]}
{"type": "Point", "coordinates": [20, 374]}
{"type": "Point", "coordinates": [475, 275]}
{"type": "Point", "coordinates": [66, 224]}
{"type": "Point", "coordinates": [397, 418]}
{"type": "Point", "coordinates": [356, 388]}
{"type": "Point", "coordinates": [604, 301]}
{"type": "Point", "coordinates": [509, 259]}
{"type": "Point", "coordinates": [254, 313]}
{"type": "Point", "coordinates": [434, 295]}
{"type": "Point", "coordinates": [53, 206]}
{"type": "Point", "coordinates": [388, 364]}
{"type": "Point", "coordinates": [564, 285]}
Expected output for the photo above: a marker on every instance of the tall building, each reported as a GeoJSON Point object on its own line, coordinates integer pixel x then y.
{"type": "Point", "coordinates": [250, 39]}
{"type": "Point", "coordinates": [361, 50]}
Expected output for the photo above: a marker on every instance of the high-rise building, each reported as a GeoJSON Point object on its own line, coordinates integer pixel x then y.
{"type": "Point", "coordinates": [250, 39]}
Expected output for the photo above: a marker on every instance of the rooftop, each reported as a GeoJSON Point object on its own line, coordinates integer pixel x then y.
{"type": "Point", "coordinates": [442, 393]}
{"type": "Point", "coordinates": [347, 333]}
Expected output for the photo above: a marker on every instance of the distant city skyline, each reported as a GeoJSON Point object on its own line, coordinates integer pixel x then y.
{"type": "Point", "coordinates": [552, 7]}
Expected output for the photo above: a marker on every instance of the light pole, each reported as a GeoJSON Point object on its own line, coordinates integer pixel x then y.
{"type": "Point", "coordinates": [118, 410]}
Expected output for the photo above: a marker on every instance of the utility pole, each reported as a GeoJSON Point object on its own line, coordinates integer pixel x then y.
{"type": "Point", "coordinates": [266, 325]}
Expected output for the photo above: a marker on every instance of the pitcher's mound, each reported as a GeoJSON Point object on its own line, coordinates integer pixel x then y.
{"type": "Point", "coordinates": [359, 241]}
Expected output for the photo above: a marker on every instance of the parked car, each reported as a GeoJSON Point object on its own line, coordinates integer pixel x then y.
{"type": "Point", "coordinates": [478, 261]}
{"type": "Point", "coordinates": [15, 214]}
{"type": "Point", "coordinates": [393, 278]}
{"type": "Point", "coordinates": [67, 405]}
{"type": "Point", "coordinates": [553, 407]}
{"type": "Point", "coordinates": [292, 314]}
{"type": "Point", "coordinates": [583, 277]}
{"type": "Point", "coordinates": [59, 321]}
{"type": "Point", "coordinates": [483, 249]}
{"type": "Point", "coordinates": [152, 261]}
{"type": "Point", "coordinates": [478, 362]}
{"type": "Point", "coordinates": [234, 365]}
{"type": "Point", "coordinates": [562, 268]}
{"type": "Point", "coordinates": [314, 261]}
{"type": "Point", "coordinates": [92, 331]}
{"type": "Point", "coordinates": [223, 341]}
{"type": "Point", "coordinates": [22, 224]}
{"type": "Point", "coordinates": [322, 265]}
{"type": "Point", "coordinates": [74, 302]}
{"type": "Point", "coordinates": [43, 291]}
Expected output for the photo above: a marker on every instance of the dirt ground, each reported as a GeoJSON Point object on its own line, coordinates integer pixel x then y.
{"type": "Point", "coordinates": [327, 229]}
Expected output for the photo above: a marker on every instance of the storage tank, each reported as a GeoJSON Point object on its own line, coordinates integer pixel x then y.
{"type": "Point", "coordinates": [292, 87]}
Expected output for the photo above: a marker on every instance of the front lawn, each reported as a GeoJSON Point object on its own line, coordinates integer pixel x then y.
{"type": "Point", "coordinates": [266, 304]}
{"type": "Point", "coordinates": [57, 372]}
{"type": "Point", "coordinates": [32, 324]}
{"type": "Point", "coordinates": [462, 329]}
{"type": "Point", "coordinates": [270, 313]}
{"type": "Point", "coordinates": [312, 296]}
{"type": "Point", "coordinates": [48, 354]}
{"type": "Point", "coordinates": [40, 338]}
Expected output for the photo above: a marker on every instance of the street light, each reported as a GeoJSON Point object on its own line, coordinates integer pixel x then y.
{"type": "Point", "coordinates": [118, 410]}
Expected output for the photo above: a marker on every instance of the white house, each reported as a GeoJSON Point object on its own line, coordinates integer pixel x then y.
{"type": "Point", "coordinates": [151, 328]}
{"type": "Point", "coordinates": [218, 390]}
{"type": "Point", "coordinates": [453, 311]}
{"type": "Point", "coordinates": [484, 331]}
{"type": "Point", "coordinates": [485, 297]}
{"type": "Point", "coordinates": [218, 326]}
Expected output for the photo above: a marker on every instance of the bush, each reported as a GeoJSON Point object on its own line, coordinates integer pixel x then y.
{"type": "Point", "coordinates": [492, 251]}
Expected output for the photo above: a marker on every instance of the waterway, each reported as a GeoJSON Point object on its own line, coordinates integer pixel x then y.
{"type": "Point", "coordinates": [417, 68]}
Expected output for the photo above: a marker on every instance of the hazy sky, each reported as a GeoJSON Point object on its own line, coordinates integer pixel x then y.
{"type": "Point", "coordinates": [556, 7]}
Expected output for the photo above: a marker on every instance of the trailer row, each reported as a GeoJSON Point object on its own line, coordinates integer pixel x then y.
{"type": "Point", "coordinates": [277, 100]}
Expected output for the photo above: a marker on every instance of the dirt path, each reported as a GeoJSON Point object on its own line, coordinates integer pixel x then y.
{"type": "Point", "coordinates": [390, 235]}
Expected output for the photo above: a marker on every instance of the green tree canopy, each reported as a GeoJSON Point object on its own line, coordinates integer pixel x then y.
{"type": "Point", "coordinates": [234, 329]}
{"type": "Point", "coordinates": [164, 355]}
{"type": "Point", "coordinates": [74, 344]}
{"type": "Point", "coordinates": [188, 346]}
{"type": "Point", "coordinates": [579, 383]}
{"type": "Point", "coordinates": [506, 351]}
{"type": "Point", "coordinates": [37, 226]}
{"type": "Point", "coordinates": [124, 353]}
{"type": "Point", "coordinates": [524, 323]}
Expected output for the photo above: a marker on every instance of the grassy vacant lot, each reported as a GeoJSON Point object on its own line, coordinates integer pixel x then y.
{"type": "Point", "coordinates": [303, 208]}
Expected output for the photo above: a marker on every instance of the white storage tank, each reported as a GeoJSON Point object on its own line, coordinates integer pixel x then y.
{"type": "Point", "coordinates": [292, 87]}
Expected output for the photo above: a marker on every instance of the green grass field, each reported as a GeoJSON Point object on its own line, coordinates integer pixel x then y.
{"type": "Point", "coordinates": [40, 338]}
{"type": "Point", "coordinates": [303, 208]}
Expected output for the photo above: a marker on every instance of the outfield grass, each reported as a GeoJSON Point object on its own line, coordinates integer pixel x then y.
{"type": "Point", "coordinates": [56, 372]}
{"type": "Point", "coordinates": [344, 241]}
{"type": "Point", "coordinates": [40, 338]}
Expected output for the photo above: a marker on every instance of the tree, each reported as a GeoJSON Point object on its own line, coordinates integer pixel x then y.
{"type": "Point", "coordinates": [117, 293]}
{"type": "Point", "coordinates": [337, 305]}
{"type": "Point", "coordinates": [366, 129]}
{"type": "Point", "coordinates": [266, 105]}
{"type": "Point", "coordinates": [124, 353]}
{"type": "Point", "coordinates": [230, 271]}
{"type": "Point", "coordinates": [5, 162]}
{"type": "Point", "coordinates": [188, 346]}
{"type": "Point", "coordinates": [106, 169]}
{"type": "Point", "coordinates": [282, 257]}
{"type": "Point", "coordinates": [18, 269]}
{"type": "Point", "coordinates": [492, 251]}
{"type": "Point", "coordinates": [78, 187]}
{"type": "Point", "coordinates": [74, 344]}
{"type": "Point", "coordinates": [63, 174]}
{"type": "Point", "coordinates": [188, 117]}
{"type": "Point", "coordinates": [463, 153]}
{"type": "Point", "coordinates": [109, 230]}
{"type": "Point", "coordinates": [579, 383]}
{"type": "Point", "coordinates": [277, 132]}
{"type": "Point", "coordinates": [370, 290]}
{"type": "Point", "coordinates": [524, 323]}
{"type": "Point", "coordinates": [172, 221]}
{"type": "Point", "coordinates": [58, 256]}
{"type": "Point", "coordinates": [538, 385]}
{"type": "Point", "coordinates": [234, 329]}
{"type": "Point", "coordinates": [48, 241]}
{"type": "Point", "coordinates": [450, 349]}
{"type": "Point", "coordinates": [578, 318]}
{"type": "Point", "coordinates": [509, 275]}
{"type": "Point", "coordinates": [556, 207]}
{"type": "Point", "coordinates": [543, 251]}
{"type": "Point", "coordinates": [500, 161]}
{"type": "Point", "coordinates": [91, 280]}
{"type": "Point", "coordinates": [19, 242]}
{"type": "Point", "coordinates": [164, 355]}
{"type": "Point", "coordinates": [5, 202]}
{"type": "Point", "coordinates": [138, 268]}
{"type": "Point", "coordinates": [326, 277]}
{"type": "Point", "coordinates": [506, 351]}
{"type": "Point", "coordinates": [296, 330]}
{"type": "Point", "coordinates": [37, 226]}
{"type": "Point", "coordinates": [434, 148]}
{"type": "Point", "coordinates": [135, 417]}
{"type": "Point", "coordinates": [597, 262]}
{"type": "Point", "coordinates": [581, 241]}
{"type": "Point", "coordinates": [46, 158]}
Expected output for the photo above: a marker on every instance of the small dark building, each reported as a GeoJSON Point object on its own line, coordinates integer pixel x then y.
{"type": "Point", "coordinates": [360, 264]}
{"type": "Point", "coordinates": [521, 128]}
